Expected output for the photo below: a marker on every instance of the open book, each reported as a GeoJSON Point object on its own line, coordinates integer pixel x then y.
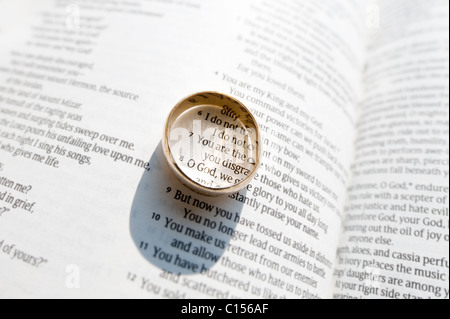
{"type": "Point", "coordinates": [352, 196]}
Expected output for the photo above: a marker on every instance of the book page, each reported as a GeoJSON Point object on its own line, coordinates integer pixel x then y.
{"type": "Point", "coordinates": [395, 242]}
{"type": "Point", "coordinates": [87, 206]}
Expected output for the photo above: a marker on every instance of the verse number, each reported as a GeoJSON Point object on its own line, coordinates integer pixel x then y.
{"type": "Point", "coordinates": [131, 276]}
{"type": "Point", "coordinates": [156, 216]}
{"type": "Point", "coordinates": [169, 189]}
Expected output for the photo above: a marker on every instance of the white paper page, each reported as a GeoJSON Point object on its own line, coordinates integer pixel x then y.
{"type": "Point", "coordinates": [395, 242]}
{"type": "Point", "coordinates": [85, 88]}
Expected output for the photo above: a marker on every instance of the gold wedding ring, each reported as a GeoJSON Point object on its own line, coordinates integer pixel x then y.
{"type": "Point", "coordinates": [212, 143]}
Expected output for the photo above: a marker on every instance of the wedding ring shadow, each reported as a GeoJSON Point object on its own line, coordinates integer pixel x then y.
{"type": "Point", "coordinates": [175, 229]}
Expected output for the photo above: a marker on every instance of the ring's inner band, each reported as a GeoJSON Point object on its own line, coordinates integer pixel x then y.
{"type": "Point", "coordinates": [213, 140]}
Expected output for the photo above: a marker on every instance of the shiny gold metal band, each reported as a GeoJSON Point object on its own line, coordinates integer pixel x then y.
{"type": "Point", "coordinates": [233, 136]}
